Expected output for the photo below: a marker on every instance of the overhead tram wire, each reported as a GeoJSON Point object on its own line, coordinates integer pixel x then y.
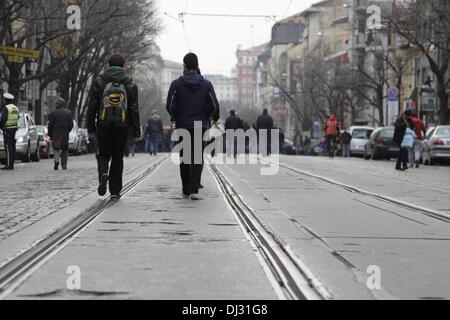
{"type": "Point", "coordinates": [265, 16]}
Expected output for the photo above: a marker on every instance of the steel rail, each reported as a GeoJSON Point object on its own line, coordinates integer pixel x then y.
{"type": "Point", "coordinates": [13, 270]}
{"type": "Point", "coordinates": [426, 211]}
{"type": "Point", "coordinates": [291, 276]}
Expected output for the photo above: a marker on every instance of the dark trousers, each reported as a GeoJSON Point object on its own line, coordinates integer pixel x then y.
{"type": "Point", "coordinates": [402, 159]}
{"type": "Point", "coordinates": [191, 174]}
{"type": "Point", "coordinates": [111, 145]}
{"type": "Point", "coordinates": [9, 139]}
{"type": "Point", "coordinates": [61, 155]}
{"type": "Point", "coordinates": [154, 138]}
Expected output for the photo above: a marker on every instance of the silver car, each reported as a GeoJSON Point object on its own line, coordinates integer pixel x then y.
{"type": "Point", "coordinates": [437, 145]}
{"type": "Point", "coordinates": [27, 139]}
{"type": "Point", "coordinates": [360, 136]}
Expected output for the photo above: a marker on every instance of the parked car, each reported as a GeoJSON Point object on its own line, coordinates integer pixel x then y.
{"type": "Point", "coordinates": [45, 144]}
{"type": "Point", "coordinates": [360, 136]}
{"type": "Point", "coordinates": [75, 140]}
{"type": "Point", "coordinates": [27, 139]}
{"type": "Point", "coordinates": [437, 145]}
{"type": "Point", "coordinates": [289, 148]}
{"type": "Point", "coordinates": [381, 145]}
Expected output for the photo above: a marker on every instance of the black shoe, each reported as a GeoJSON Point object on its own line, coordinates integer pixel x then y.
{"type": "Point", "coordinates": [398, 168]}
{"type": "Point", "coordinates": [200, 186]}
{"type": "Point", "coordinates": [56, 167]}
{"type": "Point", "coordinates": [115, 197]}
{"type": "Point", "coordinates": [8, 168]}
{"type": "Point", "coordinates": [102, 187]}
{"type": "Point", "coordinates": [417, 164]}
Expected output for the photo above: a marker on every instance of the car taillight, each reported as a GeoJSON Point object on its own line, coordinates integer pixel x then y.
{"type": "Point", "coordinates": [438, 143]}
{"type": "Point", "coordinates": [379, 141]}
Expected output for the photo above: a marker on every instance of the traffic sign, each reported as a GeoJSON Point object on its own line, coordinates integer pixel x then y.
{"type": "Point", "coordinates": [393, 92]}
{"type": "Point", "coordinates": [19, 52]}
{"type": "Point", "coordinates": [15, 59]}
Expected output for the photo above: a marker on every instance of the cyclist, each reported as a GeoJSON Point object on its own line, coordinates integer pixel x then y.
{"type": "Point", "coordinates": [331, 134]}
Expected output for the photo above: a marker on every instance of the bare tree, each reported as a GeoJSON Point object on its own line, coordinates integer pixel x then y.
{"type": "Point", "coordinates": [426, 25]}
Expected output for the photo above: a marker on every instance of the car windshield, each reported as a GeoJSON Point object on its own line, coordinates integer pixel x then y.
{"type": "Point", "coordinates": [21, 123]}
{"type": "Point", "coordinates": [443, 132]}
{"type": "Point", "coordinates": [361, 133]}
{"type": "Point", "coordinates": [387, 133]}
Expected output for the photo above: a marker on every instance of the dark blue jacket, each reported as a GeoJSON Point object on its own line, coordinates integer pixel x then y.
{"type": "Point", "coordinates": [192, 98]}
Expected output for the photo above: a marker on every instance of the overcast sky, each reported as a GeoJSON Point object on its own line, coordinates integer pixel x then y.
{"type": "Point", "coordinates": [214, 39]}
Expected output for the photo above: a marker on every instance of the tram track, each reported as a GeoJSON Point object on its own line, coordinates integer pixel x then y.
{"type": "Point", "coordinates": [290, 277]}
{"type": "Point", "coordinates": [16, 270]}
{"type": "Point", "coordinates": [415, 208]}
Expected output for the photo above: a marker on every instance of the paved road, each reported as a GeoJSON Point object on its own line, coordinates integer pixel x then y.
{"type": "Point", "coordinates": [34, 190]}
{"type": "Point", "coordinates": [154, 244]}
{"type": "Point", "coordinates": [340, 234]}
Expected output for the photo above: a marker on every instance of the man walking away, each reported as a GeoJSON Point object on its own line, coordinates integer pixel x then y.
{"type": "Point", "coordinates": [233, 122]}
{"type": "Point", "coordinates": [265, 121]}
{"type": "Point", "coordinates": [192, 98]}
{"type": "Point", "coordinates": [59, 126]}
{"type": "Point", "coordinates": [400, 128]}
{"type": "Point", "coordinates": [346, 139]}
{"type": "Point", "coordinates": [9, 119]}
{"type": "Point", "coordinates": [331, 134]}
{"type": "Point", "coordinates": [154, 132]}
{"type": "Point", "coordinates": [421, 131]}
{"type": "Point", "coordinates": [113, 110]}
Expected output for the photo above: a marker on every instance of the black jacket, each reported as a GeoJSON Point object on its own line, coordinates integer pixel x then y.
{"type": "Point", "coordinates": [59, 126]}
{"type": "Point", "coordinates": [234, 123]}
{"type": "Point", "coordinates": [3, 116]}
{"type": "Point", "coordinates": [98, 86]}
{"type": "Point", "coordinates": [192, 98]}
{"type": "Point", "coordinates": [264, 122]}
{"type": "Point", "coordinates": [346, 138]}
{"type": "Point", "coordinates": [154, 125]}
{"type": "Point", "coordinates": [400, 129]}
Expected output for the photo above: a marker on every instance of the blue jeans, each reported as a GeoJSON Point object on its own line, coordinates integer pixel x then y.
{"type": "Point", "coordinates": [153, 142]}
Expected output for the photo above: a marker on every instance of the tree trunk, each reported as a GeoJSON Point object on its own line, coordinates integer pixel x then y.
{"type": "Point", "coordinates": [443, 103]}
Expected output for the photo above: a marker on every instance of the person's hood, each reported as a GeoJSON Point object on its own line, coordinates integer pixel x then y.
{"type": "Point", "coordinates": [332, 118]}
{"type": "Point", "coordinates": [192, 80]}
{"type": "Point", "coordinates": [116, 74]}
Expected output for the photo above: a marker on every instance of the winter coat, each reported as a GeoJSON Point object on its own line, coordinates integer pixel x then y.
{"type": "Point", "coordinates": [59, 126]}
{"type": "Point", "coordinates": [116, 74]}
{"type": "Point", "coordinates": [264, 122]}
{"type": "Point", "coordinates": [346, 138]}
{"type": "Point", "coordinates": [399, 133]}
{"type": "Point", "coordinates": [408, 138]}
{"type": "Point", "coordinates": [234, 123]}
{"type": "Point", "coordinates": [154, 125]}
{"type": "Point", "coordinates": [192, 98]}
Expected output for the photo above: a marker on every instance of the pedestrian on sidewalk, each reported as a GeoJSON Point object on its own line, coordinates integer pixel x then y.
{"type": "Point", "coordinates": [346, 139]}
{"type": "Point", "coordinates": [265, 122]}
{"type": "Point", "coordinates": [401, 124]}
{"type": "Point", "coordinates": [192, 101]}
{"type": "Point", "coordinates": [332, 133]}
{"type": "Point", "coordinates": [9, 119]}
{"type": "Point", "coordinates": [59, 126]}
{"type": "Point", "coordinates": [417, 150]}
{"type": "Point", "coordinates": [234, 123]}
{"type": "Point", "coordinates": [113, 111]}
{"type": "Point", "coordinates": [154, 132]}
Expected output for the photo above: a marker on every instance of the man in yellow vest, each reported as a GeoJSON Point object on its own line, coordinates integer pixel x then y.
{"type": "Point", "coordinates": [9, 118]}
